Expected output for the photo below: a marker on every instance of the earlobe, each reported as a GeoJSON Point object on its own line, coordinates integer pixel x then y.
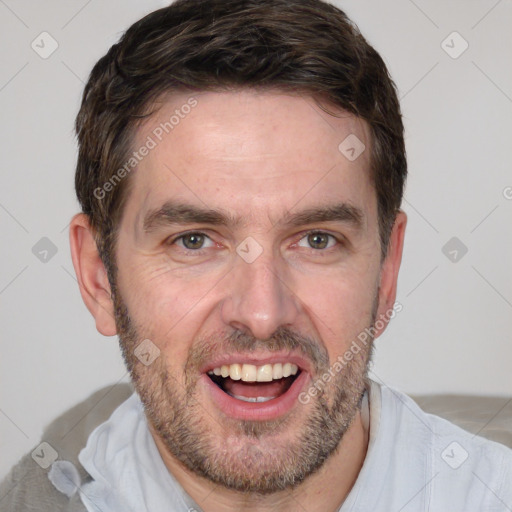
{"type": "Point", "coordinates": [91, 274]}
{"type": "Point", "coordinates": [389, 271]}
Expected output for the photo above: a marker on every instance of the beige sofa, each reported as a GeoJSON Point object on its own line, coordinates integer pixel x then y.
{"type": "Point", "coordinates": [486, 416]}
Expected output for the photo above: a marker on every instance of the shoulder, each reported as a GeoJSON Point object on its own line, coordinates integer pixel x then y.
{"type": "Point", "coordinates": [28, 487]}
{"type": "Point", "coordinates": [460, 465]}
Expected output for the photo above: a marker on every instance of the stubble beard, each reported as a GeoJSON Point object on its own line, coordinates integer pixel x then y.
{"type": "Point", "coordinates": [261, 457]}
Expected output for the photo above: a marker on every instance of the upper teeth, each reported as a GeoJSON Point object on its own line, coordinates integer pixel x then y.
{"type": "Point", "coordinates": [252, 373]}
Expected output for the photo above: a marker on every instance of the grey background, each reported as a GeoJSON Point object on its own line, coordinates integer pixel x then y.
{"type": "Point", "coordinates": [453, 334]}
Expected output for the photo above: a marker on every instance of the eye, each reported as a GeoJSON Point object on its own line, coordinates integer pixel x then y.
{"type": "Point", "coordinates": [318, 240]}
{"type": "Point", "coordinates": [193, 241]}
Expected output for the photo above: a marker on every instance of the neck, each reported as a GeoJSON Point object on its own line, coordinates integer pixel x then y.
{"type": "Point", "coordinates": [324, 491]}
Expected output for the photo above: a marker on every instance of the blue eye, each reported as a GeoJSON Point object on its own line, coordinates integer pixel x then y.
{"type": "Point", "coordinates": [318, 240]}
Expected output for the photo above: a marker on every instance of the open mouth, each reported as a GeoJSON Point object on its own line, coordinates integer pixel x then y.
{"type": "Point", "coordinates": [251, 383]}
{"type": "Point", "coordinates": [260, 388]}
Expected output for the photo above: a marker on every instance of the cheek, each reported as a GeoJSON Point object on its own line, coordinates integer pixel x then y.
{"type": "Point", "coordinates": [168, 308]}
{"type": "Point", "coordinates": [340, 306]}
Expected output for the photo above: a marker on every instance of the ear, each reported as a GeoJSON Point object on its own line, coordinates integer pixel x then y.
{"type": "Point", "coordinates": [389, 273]}
{"type": "Point", "coordinates": [91, 274]}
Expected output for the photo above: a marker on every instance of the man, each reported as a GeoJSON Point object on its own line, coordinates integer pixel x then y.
{"type": "Point", "coordinates": [240, 172]}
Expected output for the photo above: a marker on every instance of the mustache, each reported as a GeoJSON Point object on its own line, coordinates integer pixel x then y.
{"type": "Point", "coordinates": [242, 342]}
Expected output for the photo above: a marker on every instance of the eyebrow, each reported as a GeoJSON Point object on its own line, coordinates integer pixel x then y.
{"type": "Point", "coordinates": [177, 213]}
{"type": "Point", "coordinates": [342, 212]}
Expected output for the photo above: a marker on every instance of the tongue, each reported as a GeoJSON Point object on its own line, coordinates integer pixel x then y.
{"type": "Point", "coordinates": [255, 389]}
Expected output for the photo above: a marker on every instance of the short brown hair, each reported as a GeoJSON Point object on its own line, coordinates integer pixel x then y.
{"type": "Point", "coordinates": [308, 46]}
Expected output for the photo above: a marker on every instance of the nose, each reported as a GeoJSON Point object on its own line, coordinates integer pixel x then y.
{"type": "Point", "coordinates": [259, 298]}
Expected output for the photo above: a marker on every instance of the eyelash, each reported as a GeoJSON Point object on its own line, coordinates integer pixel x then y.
{"type": "Point", "coordinates": [302, 237]}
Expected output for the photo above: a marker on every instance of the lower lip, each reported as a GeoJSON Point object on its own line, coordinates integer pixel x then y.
{"type": "Point", "coordinates": [262, 411]}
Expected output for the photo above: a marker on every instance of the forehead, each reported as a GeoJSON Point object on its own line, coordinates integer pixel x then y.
{"type": "Point", "coordinates": [259, 153]}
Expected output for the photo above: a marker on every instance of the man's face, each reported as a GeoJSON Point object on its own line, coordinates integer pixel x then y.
{"type": "Point", "coordinates": [248, 238]}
